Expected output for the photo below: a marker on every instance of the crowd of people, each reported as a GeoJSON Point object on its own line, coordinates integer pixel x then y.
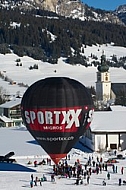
{"type": "Point", "coordinates": [80, 172]}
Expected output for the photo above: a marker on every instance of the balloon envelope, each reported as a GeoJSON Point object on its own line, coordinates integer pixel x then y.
{"type": "Point", "coordinates": [57, 111]}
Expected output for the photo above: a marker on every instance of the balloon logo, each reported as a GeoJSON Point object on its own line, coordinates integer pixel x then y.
{"type": "Point", "coordinates": [57, 111]}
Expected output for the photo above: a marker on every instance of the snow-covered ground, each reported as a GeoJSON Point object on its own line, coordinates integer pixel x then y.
{"type": "Point", "coordinates": [87, 76]}
{"type": "Point", "coordinates": [17, 176]}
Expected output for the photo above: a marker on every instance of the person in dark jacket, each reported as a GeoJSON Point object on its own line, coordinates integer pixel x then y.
{"type": "Point", "coordinates": [31, 177]}
{"type": "Point", "coordinates": [108, 175]}
{"type": "Point", "coordinates": [88, 178]}
{"type": "Point", "coordinates": [31, 183]}
{"type": "Point", "coordinates": [120, 181]}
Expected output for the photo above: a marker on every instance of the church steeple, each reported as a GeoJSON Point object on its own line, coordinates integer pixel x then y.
{"type": "Point", "coordinates": [103, 83]}
{"type": "Point", "coordinates": [103, 67]}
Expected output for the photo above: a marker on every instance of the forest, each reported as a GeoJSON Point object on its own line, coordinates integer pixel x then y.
{"type": "Point", "coordinates": [47, 36]}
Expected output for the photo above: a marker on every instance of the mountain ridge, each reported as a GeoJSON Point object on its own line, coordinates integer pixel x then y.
{"type": "Point", "coordinates": [47, 35]}
{"type": "Point", "coordinates": [70, 8]}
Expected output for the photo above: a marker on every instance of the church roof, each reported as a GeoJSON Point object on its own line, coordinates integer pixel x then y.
{"type": "Point", "coordinates": [109, 122]}
{"type": "Point", "coordinates": [103, 67]}
{"type": "Point", "coordinates": [118, 87]}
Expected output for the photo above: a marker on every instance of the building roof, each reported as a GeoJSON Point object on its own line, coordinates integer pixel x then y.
{"type": "Point", "coordinates": [5, 119]}
{"type": "Point", "coordinates": [103, 67]}
{"type": "Point", "coordinates": [118, 87]}
{"type": "Point", "coordinates": [109, 122]}
{"type": "Point", "coordinates": [11, 104]}
{"type": "Point", "coordinates": [118, 108]}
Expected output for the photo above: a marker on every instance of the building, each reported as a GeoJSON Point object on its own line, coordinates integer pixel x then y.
{"type": "Point", "coordinates": [103, 83]}
{"type": "Point", "coordinates": [107, 92]}
{"type": "Point", "coordinates": [6, 122]}
{"type": "Point", "coordinates": [12, 111]}
{"type": "Point", "coordinates": [119, 90]}
{"type": "Point", "coordinates": [108, 129]}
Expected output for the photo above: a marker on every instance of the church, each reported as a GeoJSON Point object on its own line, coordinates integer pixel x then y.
{"type": "Point", "coordinates": [103, 83]}
{"type": "Point", "coordinates": [108, 128]}
{"type": "Point", "coordinates": [106, 91]}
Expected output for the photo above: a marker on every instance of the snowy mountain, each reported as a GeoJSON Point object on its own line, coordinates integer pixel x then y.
{"type": "Point", "coordinates": [121, 13]}
{"type": "Point", "coordinates": [67, 8]}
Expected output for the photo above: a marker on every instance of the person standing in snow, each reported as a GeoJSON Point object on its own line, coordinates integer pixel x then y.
{"type": "Point", "coordinates": [93, 162]}
{"type": "Point", "coordinates": [32, 177]}
{"type": "Point", "coordinates": [116, 169]}
{"type": "Point", "coordinates": [113, 168]}
{"type": "Point", "coordinates": [120, 181]}
{"type": "Point", "coordinates": [31, 183]}
{"type": "Point", "coordinates": [122, 170]}
{"type": "Point", "coordinates": [97, 159]}
{"type": "Point", "coordinates": [41, 180]}
{"type": "Point", "coordinates": [101, 159]}
{"type": "Point", "coordinates": [35, 181]}
{"type": "Point", "coordinates": [52, 178]}
{"type": "Point", "coordinates": [108, 176]}
{"type": "Point", "coordinates": [106, 167]}
{"type": "Point", "coordinates": [115, 152]}
{"type": "Point", "coordinates": [85, 173]}
{"type": "Point", "coordinates": [88, 178]}
{"type": "Point", "coordinates": [97, 169]}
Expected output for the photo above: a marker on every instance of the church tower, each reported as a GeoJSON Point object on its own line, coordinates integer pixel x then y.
{"type": "Point", "coordinates": [103, 84]}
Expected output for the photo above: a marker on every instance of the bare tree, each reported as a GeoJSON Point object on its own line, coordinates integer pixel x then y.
{"type": "Point", "coordinates": [3, 95]}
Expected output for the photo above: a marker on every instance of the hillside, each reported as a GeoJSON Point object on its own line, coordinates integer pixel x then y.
{"type": "Point", "coordinates": [16, 74]}
{"type": "Point", "coordinates": [46, 36]}
{"type": "Point", "coordinates": [47, 30]}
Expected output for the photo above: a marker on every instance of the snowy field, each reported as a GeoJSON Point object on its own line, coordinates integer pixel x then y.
{"type": "Point", "coordinates": [17, 176]}
{"type": "Point", "coordinates": [87, 76]}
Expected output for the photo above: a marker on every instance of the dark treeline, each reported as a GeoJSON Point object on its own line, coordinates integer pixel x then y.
{"type": "Point", "coordinates": [45, 35]}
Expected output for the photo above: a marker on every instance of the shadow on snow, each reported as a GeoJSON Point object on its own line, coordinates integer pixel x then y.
{"type": "Point", "coordinates": [14, 167]}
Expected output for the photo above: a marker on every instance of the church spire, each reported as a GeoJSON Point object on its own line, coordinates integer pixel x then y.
{"type": "Point", "coordinates": [103, 67]}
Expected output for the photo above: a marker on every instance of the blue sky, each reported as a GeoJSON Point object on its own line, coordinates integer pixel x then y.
{"type": "Point", "coordinates": [105, 4]}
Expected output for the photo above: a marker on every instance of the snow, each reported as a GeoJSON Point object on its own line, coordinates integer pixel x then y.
{"type": "Point", "coordinates": [15, 24]}
{"type": "Point", "coordinates": [17, 175]}
{"type": "Point", "coordinates": [11, 103]}
{"type": "Point", "coordinates": [5, 119]}
{"type": "Point", "coordinates": [87, 76]}
{"type": "Point", "coordinates": [101, 121]}
{"type": "Point", "coordinates": [18, 139]}
{"type": "Point", "coordinates": [118, 108]}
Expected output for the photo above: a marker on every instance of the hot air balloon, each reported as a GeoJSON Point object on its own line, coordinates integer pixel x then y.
{"type": "Point", "coordinates": [57, 111]}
